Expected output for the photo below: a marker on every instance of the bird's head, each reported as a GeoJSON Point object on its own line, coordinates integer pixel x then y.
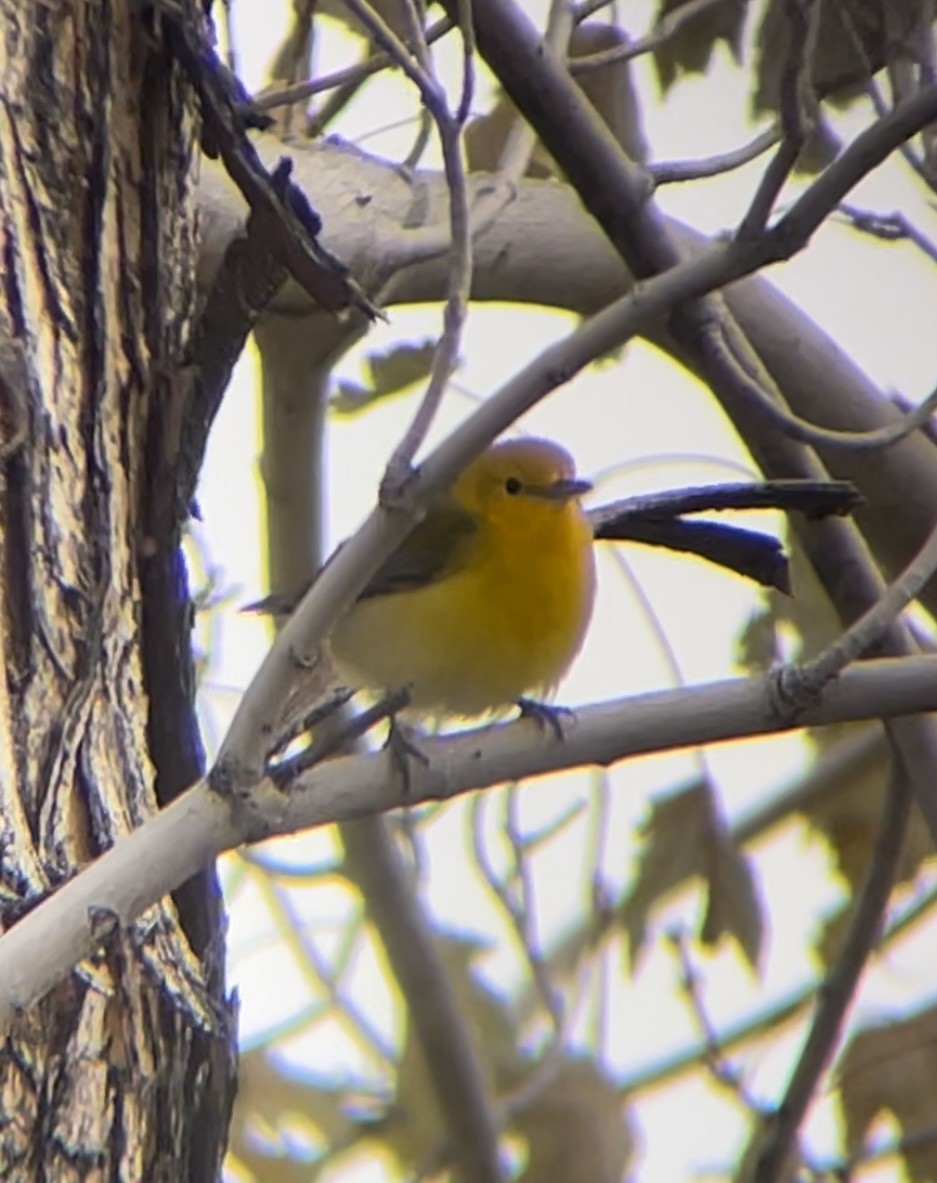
{"type": "Point", "coordinates": [521, 484]}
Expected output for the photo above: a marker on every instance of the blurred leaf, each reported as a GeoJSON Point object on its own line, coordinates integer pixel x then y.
{"type": "Point", "coordinates": [609, 89]}
{"type": "Point", "coordinates": [401, 366]}
{"type": "Point", "coordinates": [269, 1092]}
{"type": "Point", "coordinates": [758, 647]}
{"type": "Point", "coordinates": [832, 930]}
{"type": "Point", "coordinates": [576, 1129]}
{"type": "Point", "coordinates": [391, 372]}
{"type": "Point", "coordinates": [689, 49]}
{"type": "Point", "coordinates": [279, 1107]}
{"type": "Point", "coordinates": [415, 1131]}
{"type": "Point", "coordinates": [893, 1067]}
{"type": "Point", "coordinates": [686, 838]}
{"type": "Point", "coordinates": [847, 815]}
{"type": "Point", "coordinates": [267, 1166]}
{"type": "Point", "coordinates": [855, 39]}
{"type": "Point", "coordinates": [485, 136]}
{"type": "Point", "coordinates": [808, 610]}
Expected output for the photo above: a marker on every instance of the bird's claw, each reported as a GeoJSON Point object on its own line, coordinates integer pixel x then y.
{"type": "Point", "coordinates": [402, 749]}
{"type": "Point", "coordinates": [545, 715]}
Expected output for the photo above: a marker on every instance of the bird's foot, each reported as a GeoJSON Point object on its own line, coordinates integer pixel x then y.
{"type": "Point", "coordinates": [402, 749]}
{"type": "Point", "coordinates": [545, 715]}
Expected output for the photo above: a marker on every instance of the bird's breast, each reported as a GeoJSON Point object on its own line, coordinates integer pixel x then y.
{"type": "Point", "coordinates": [507, 623]}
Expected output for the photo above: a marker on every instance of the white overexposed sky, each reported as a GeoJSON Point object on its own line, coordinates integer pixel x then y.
{"type": "Point", "coordinates": [647, 425]}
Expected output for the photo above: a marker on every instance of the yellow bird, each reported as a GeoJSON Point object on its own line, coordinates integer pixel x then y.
{"type": "Point", "coordinates": [487, 600]}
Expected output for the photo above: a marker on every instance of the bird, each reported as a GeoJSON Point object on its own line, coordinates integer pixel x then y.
{"type": "Point", "coordinates": [487, 601]}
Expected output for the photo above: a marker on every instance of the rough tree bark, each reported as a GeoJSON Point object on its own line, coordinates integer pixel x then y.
{"type": "Point", "coordinates": [126, 1071]}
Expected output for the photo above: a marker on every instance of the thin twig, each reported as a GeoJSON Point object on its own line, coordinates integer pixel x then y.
{"type": "Point", "coordinates": [588, 8]}
{"type": "Point", "coordinates": [724, 1074]}
{"type": "Point", "coordinates": [662, 32]}
{"type": "Point", "coordinates": [671, 172]}
{"type": "Point", "coordinates": [314, 968]}
{"type": "Point", "coordinates": [412, 14]}
{"type": "Point", "coordinates": [467, 90]}
{"type": "Point", "coordinates": [891, 227]}
{"type": "Point", "coordinates": [424, 131]}
{"type": "Point", "coordinates": [874, 92]}
{"type": "Point", "coordinates": [839, 985]}
{"type": "Point", "coordinates": [226, 23]}
{"type": "Point", "coordinates": [760, 1024]}
{"type": "Point", "coordinates": [796, 121]}
{"type": "Point", "coordinates": [864, 634]}
{"type": "Point", "coordinates": [799, 429]}
{"type": "Point", "coordinates": [458, 287]}
{"type": "Point", "coordinates": [383, 35]}
{"type": "Point", "coordinates": [284, 772]}
{"type": "Point", "coordinates": [516, 910]}
{"type": "Point", "coordinates": [349, 75]}
{"type": "Point", "coordinates": [452, 1058]}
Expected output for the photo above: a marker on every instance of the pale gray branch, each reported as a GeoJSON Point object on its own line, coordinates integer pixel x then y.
{"type": "Point", "coordinates": [144, 866]}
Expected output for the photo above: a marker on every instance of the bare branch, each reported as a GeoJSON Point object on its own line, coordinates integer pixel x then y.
{"type": "Point", "coordinates": [672, 172]}
{"type": "Point", "coordinates": [798, 105]}
{"type": "Point", "coordinates": [838, 988]}
{"type": "Point", "coordinates": [799, 429]}
{"type": "Point", "coordinates": [868, 630]}
{"type": "Point", "coordinates": [150, 862]}
{"type": "Point", "coordinates": [726, 1076]}
{"type": "Point", "coordinates": [889, 227]}
{"type": "Point", "coordinates": [350, 75]}
{"type": "Point", "coordinates": [758, 1025]}
{"type": "Point", "coordinates": [452, 1059]}
{"type": "Point", "coordinates": [409, 60]}
{"type": "Point", "coordinates": [516, 905]}
{"type": "Point", "coordinates": [662, 32]}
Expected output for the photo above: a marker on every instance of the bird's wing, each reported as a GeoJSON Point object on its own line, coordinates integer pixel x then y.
{"type": "Point", "coordinates": [431, 551]}
{"type": "Point", "coordinates": [434, 549]}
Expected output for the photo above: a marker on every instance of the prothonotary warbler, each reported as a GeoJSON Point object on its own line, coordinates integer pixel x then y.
{"type": "Point", "coordinates": [488, 599]}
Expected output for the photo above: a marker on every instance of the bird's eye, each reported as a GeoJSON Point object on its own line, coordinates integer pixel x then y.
{"type": "Point", "coordinates": [512, 485]}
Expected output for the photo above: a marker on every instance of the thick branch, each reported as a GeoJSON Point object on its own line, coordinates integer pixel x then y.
{"type": "Point", "coordinates": [150, 862]}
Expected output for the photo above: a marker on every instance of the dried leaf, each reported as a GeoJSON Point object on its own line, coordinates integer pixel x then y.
{"type": "Point", "coordinates": [270, 1093]}
{"type": "Point", "coordinates": [847, 815]}
{"type": "Point", "coordinates": [830, 934]}
{"type": "Point", "coordinates": [690, 48]}
{"type": "Point", "coordinates": [390, 373]}
{"type": "Point", "coordinates": [686, 838]}
{"type": "Point", "coordinates": [401, 366]}
{"type": "Point", "coordinates": [576, 1128]}
{"type": "Point", "coordinates": [855, 39]}
{"type": "Point", "coordinates": [893, 1067]}
{"type": "Point", "coordinates": [758, 647]}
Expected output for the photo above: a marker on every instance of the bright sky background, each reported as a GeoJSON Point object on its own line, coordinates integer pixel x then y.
{"type": "Point", "coordinates": [639, 416]}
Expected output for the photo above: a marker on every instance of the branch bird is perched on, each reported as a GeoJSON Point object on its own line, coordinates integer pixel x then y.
{"type": "Point", "coordinates": [488, 598]}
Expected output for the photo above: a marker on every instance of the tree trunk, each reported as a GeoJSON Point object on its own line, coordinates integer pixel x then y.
{"type": "Point", "coordinates": [126, 1071]}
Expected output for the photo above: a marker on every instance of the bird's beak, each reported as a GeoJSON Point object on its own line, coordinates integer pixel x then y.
{"type": "Point", "coordinates": [563, 490]}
